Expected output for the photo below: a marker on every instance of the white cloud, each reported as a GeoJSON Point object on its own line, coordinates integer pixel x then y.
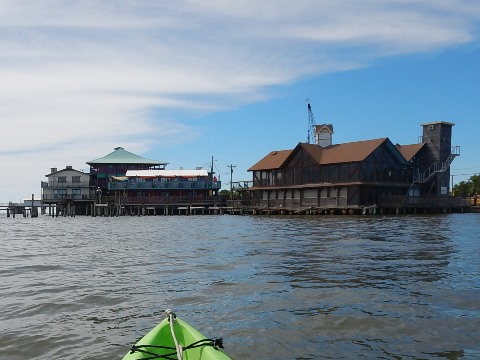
{"type": "Point", "coordinates": [92, 75]}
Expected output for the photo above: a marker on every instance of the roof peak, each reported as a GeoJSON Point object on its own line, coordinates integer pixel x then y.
{"type": "Point", "coordinates": [122, 156]}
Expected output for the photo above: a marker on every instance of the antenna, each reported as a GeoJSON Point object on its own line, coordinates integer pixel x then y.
{"type": "Point", "coordinates": [311, 124]}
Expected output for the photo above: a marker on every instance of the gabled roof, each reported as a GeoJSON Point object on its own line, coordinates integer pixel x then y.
{"type": "Point", "coordinates": [350, 152]}
{"type": "Point", "coordinates": [273, 160]}
{"type": "Point", "coordinates": [314, 150]}
{"type": "Point", "coordinates": [69, 169]}
{"type": "Point", "coordinates": [333, 154]}
{"type": "Point", "coordinates": [328, 127]}
{"type": "Point", "coordinates": [409, 151]}
{"type": "Point", "coordinates": [122, 156]}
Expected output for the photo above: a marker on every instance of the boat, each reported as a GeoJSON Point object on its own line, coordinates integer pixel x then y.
{"type": "Point", "coordinates": [172, 339]}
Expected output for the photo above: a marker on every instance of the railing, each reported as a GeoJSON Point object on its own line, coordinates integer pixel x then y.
{"type": "Point", "coordinates": [242, 185]}
{"type": "Point", "coordinates": [438, 167]}
{"type": "Point", "coordinates": [147, 185]}
{"type": "Point", "coordinates": [65, 184]}
{"type": "Point", "coordinates": [169, 200]}
{"type": "Point", "coordinates": [66, 197]}
{"type": "Point", "coordinates": [424, 201]}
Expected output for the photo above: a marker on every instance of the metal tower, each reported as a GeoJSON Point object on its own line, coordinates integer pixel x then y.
{"type": "Point", "coordinates": [311, 125]}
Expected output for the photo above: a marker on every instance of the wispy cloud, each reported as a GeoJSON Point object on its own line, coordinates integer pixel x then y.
{"type": "Point", "coordinates": [92, 74]}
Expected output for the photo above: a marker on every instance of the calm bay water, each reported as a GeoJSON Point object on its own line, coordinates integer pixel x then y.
{"type": "Point", "coordinates": [401, 287]}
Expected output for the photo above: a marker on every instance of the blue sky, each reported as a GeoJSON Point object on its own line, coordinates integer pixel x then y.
{"type": "Point", "coordinates": [187, 80]}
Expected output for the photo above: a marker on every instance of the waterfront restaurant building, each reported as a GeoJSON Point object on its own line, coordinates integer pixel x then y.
{"type": "Point", "coordinates": [356, 175]}
{"type": "Point", "coordinates": [127, 180]}
{"type": "Point", "coordinates": [187, 187]}
{"type": "Point", "coordinates": [117, 163]}
{"type": "Point", "coordinates": [124, 178]}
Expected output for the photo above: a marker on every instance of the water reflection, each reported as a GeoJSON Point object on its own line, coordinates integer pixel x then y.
{"type": "Point", "coordinates": [323, 255]}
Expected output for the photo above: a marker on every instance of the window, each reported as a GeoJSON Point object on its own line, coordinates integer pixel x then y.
{"type": "Point", "coordinates": [59, 193]}
{"type": "Point", "coordinates": [264, 177]}
{"type": "Point", "coordinates": [280, 177]}
{"type": "Point", "coordinates": [62, 179]}
{"type": "Point", "coordinates": [75, 179]}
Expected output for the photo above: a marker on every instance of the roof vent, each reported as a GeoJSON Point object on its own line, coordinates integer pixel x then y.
{"type": "Point", "coordinates": [69, 167]}
{"type": "Point", "coordinates": [53, 170]}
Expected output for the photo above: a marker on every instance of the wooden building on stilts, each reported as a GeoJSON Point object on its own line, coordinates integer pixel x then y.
{"type": "Point", "coordinates": [358, 177]}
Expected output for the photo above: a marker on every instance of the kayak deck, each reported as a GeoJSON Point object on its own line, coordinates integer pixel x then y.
{"type": "Point", "coordinates": [159, 343]}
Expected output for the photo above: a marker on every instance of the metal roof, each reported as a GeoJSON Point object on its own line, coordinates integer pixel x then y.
{"type": "Point", "coordinates": [122, 156]}
{"type": "Point", "coordinates": [166, 173]}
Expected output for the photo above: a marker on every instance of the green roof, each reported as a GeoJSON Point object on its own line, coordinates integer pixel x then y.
{"type": "Point", "coordinates": [122, 156]}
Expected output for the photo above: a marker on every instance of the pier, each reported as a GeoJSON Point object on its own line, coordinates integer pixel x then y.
{"type": "Point", "coordinates": [93, 208]}
{"type": "Point", "coordinates": [12, 210]}
{"type": "Point", "coordinates": [26, 209]}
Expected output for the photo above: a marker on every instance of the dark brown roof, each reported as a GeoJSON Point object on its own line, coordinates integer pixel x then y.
{"type": "Point", "coordinates": [333, 154]}
{"type": "Point", "coordinates": [350, 152]}
{"type": "Point", "coordinates": [274, 160]}
{"type": "Point", "coordinates": [315, 151]}
{"type": "Point", "coordinates": [409, 151]}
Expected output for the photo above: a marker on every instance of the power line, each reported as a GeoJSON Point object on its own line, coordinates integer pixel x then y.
{"type": "Point", "coordinates": [468, 168]}
{"type": "Point", "coordinates": [475, 173]}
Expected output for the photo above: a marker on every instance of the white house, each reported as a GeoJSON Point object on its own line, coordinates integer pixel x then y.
{"type": "Point", "coordinates": [66, 184]}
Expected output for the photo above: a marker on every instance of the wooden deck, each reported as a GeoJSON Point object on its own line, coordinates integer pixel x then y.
{"type": "Point", "coordinates": [235, 207]}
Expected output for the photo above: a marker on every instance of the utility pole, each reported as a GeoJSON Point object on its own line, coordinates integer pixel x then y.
{"type": "Point", "coordinates": [211, 169]}
{"type": "Point", "coordinates": [231, 179]}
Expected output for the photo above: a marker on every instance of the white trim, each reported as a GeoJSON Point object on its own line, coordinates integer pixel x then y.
{"type": "Point", "coordinates": [166, 173]}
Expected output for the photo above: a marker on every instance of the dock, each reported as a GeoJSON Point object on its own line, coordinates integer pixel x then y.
{"type": "Point", "coordinates": [230, 207]}
{"type": "Point", "coordinates": [12, 210]}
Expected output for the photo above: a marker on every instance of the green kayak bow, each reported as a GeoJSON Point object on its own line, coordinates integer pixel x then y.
{"type": "Point", "coordinates": [172, 339]}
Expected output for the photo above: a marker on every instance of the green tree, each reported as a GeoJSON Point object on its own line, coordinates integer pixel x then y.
{"type": "Point", "coordinates": [224, 192]}
{"type": "Point", "coordinates": [468, 188]}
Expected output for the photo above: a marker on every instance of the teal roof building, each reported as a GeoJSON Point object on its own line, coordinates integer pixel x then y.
{"type": "Point", "coordinates": [117, 163]}
{"type": "Point", "coordinates": [122, 156]}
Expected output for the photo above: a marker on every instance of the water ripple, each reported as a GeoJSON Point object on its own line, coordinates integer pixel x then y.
{"type": "Point", "coordinates": [400, 287]}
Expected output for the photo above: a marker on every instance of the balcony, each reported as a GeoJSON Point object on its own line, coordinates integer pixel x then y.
{"type": "Point", "coordinates": [65, 185]}
{"type": "Point", "coordinates": [165, 185]}
{"type": "Point", "coordinates": [172, 200]}
{"type": "Point", "coordinates": [50, 197]}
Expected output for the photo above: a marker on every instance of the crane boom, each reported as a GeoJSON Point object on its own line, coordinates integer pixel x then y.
{"type": "Point", "coordinates": [311, 124]}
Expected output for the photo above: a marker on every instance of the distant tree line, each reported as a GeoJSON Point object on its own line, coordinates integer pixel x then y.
{"type": "Point", "coordinates": [468, 188]}
{"type": "Point", "coordinates": [235, 195]}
